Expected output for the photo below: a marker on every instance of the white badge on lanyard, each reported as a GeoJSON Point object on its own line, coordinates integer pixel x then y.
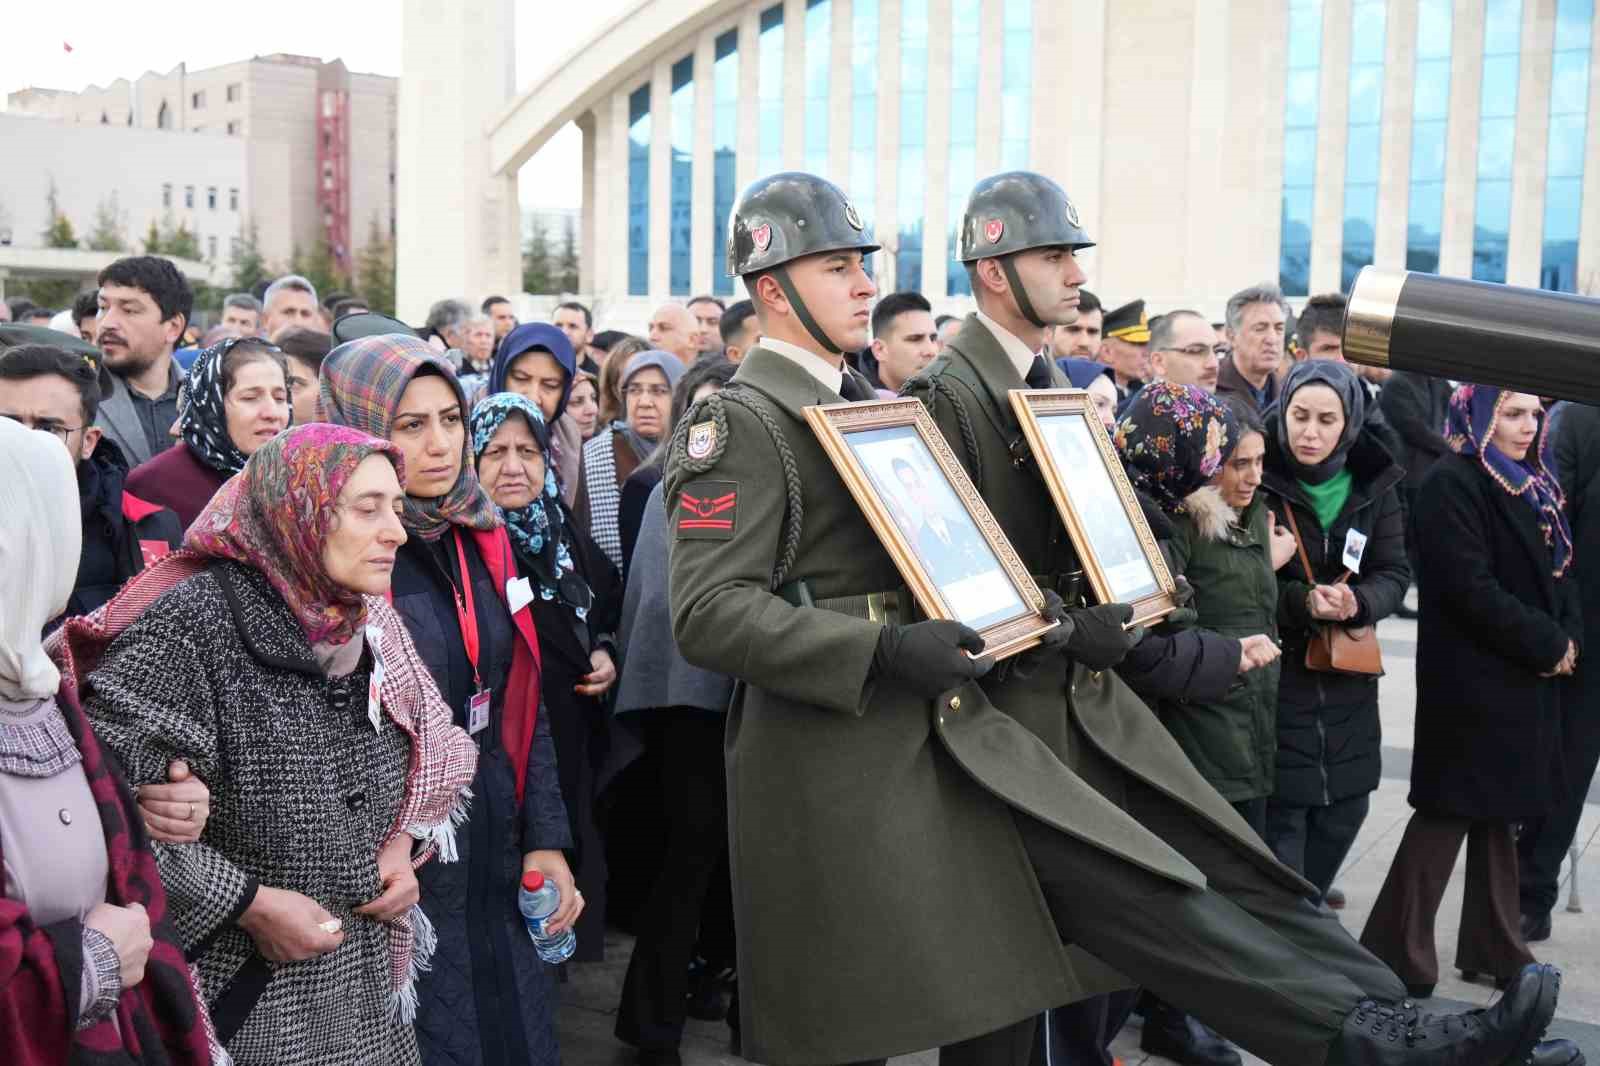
{"type": "Point", "coordinates": [519, 593]}
{"type": "Point", "coordinates": [1355, 546]}
{"type": "Point", "coordinates": [375, 682]}
{"type": "Point", "coordinates": [478, 712]}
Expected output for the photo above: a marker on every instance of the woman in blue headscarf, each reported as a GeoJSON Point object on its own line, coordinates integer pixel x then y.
{"type": "Point", "coordinates": [575, 602]}
{"type": "Point", "coordinates": [1497, 639]}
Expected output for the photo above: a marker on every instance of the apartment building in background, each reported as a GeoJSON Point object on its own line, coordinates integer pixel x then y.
{"type": "Point", "coordinates": [302, 148]}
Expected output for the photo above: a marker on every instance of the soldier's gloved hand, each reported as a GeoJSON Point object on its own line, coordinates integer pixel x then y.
{"type": "Point", "coordinates": [1184, 594]}
{"type": "Point", "coordinates": [1098, 640]}
{"type": "Point", "coordinates": [1055, 611]}
{"type": "Point", "coordinates": [929, 657]}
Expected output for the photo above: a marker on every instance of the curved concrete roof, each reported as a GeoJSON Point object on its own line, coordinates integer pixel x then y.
{"type": "Point", "coordinates": [587, 75]}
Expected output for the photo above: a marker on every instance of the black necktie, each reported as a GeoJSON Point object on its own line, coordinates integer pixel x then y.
{"type": "Point", "coordinates": [853, 390]}
{"type": "Point", "coordinates": [1039, 374]}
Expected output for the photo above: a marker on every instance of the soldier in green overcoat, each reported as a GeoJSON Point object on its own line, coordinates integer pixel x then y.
{"type": "Point", "coordinates": [886, 820]}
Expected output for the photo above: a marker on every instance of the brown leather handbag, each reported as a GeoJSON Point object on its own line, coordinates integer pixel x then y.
{"type": "Point", "coordinates": [1334, 648]}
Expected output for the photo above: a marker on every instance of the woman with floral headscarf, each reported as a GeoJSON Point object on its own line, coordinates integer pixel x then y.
{"type": "Point", "coordinates": [1327, 475]}
{"type": "Point", "coordinates": [488, 999]}
{"type": "Point", "coordinates": [1498, 636]}
{"type": "Point", "coordinates": [575, 611]}
{"type": "Point", "coordinates": [235, 400]}
{"type": "Point", "coordinates": [265, 656]}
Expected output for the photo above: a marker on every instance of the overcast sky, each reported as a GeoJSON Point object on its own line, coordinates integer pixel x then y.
{"type": "Point", "coordinates": [113, 39]}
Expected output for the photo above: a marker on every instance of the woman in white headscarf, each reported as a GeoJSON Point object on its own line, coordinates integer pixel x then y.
{"type": "Point", "coordinates": [87, 957]}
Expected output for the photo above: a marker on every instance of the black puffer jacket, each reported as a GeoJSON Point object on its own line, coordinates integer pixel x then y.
{"type": "Point", "coordinates": [1329, 737]}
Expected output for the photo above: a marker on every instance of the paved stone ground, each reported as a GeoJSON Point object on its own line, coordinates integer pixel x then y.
{"type": "Point", "coordinates": [590, 998]}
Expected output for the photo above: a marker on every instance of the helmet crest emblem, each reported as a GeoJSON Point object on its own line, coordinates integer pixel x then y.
{"type": "Point", "coordinates": [1072, 213]}
{"type": "Point", "coordinates": [993, 230]}
{"type": "Point", "coordinates": [851, 217]}
{"type": "Point", "coordinates": [761, 235]}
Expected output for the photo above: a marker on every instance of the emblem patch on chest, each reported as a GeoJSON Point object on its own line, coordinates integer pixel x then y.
{"type": "Point", "coordinates": [708, 510]}
{"type": "Point", "coordinates": [702, 439]}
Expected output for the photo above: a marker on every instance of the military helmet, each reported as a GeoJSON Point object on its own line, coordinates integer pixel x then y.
{"type": "Point", "coordinates": [1015, 211]}
{"type": "Point", "coordinates": [780, 218]}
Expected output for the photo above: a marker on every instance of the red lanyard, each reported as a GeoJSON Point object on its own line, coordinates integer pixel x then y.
{"type": "Point", "coordinates": [466, 615]}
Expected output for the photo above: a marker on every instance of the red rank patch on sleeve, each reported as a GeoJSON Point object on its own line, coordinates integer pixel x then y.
{"type": "Point", "coordinates": [708, 510]}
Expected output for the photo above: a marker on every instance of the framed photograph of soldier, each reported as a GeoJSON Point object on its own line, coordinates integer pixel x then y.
{"type": "Point", "coordinates": [931, 520]}
{"type": "Point", "coordinates": [1119, 553]}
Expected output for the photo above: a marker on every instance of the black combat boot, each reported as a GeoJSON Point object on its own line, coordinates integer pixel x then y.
{"type": "Point", "coordinates": [1557, 1053]}
{"type": "Point", "coordinates": [1506, 1034]}
{"type": "Point", "coordinates": [1172, 1034]}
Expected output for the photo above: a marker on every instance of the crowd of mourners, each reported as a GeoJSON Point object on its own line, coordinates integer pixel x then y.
{"type": "Point", "coordinates": [321, 630]}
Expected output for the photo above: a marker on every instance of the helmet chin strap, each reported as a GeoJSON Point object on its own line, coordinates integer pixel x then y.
{"type": "Point", "coordinates": [1024, 304]}
{"type": "Point", "coordinates": [802, 312]}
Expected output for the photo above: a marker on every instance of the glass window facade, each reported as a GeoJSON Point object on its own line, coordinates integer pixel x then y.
{"type": "Point", "coordinates": [1430, 111]}
{"type": "Point", "coordinates": [682, 172]}
{"type": "Point", "coordinates": [863, 189]}
{"type": "Point", "coordinates": [724, 153]}
{"type": "Point", "coordinates": [1015, 84]}
{"type": "Point", "coordinates": [1301, 99]}
{"type": "Point", "coordinates": [913, 141]}
{"type": "Point", "coordinates": [1569, 119]}
{"type": "Point", "coordinates": [965, 31]}
{"type": "Point", "coordinates": [1497, 129]}
{"type": "Point", "coordinates": [1363, 151]}
{"type": "Point", "coordinates": [819, 56]}
{"type": "Point", "coordinates": [769, 157]}
{"type": "Point", "coordinates": [639, 191]}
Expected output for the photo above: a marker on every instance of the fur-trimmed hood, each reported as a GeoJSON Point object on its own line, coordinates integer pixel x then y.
{"type": "Point", "coordinates": [1211, 513]}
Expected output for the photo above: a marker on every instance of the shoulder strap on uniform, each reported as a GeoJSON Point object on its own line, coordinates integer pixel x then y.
{"type": "Point", "coordinates": [713, 408]}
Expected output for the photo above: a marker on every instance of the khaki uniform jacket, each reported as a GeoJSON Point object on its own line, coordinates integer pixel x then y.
{"type": "Point", "coordinates": [975, 373]}
{"type": "Point", "coordinates": [882, 895]}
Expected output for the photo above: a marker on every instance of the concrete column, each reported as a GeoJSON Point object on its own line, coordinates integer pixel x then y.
{"type": "Point", "coordinates": [617, 239]}
{"type": "Point", "coordinates": [1208, 114]}
{"type": "Point", "coordinates": [1333, 136]}
{"type": "Point", "coordinates": [887, 225]}
{"type": "Point", "coordinates": [1069, 74]}
{"type": "Point", "coordinates": [840, 90]}
{"type": "Point", "coordinates": [701, 209]}
{"type": "Point", "coordinates": [1461, 139]}
{"type": "Point", "coordinates": [1250, 160]}
{"type": "Point", "coordinates": [660, 180]}
{"type": "Point", "coordinates": [1394, 174]}
{"type": "Point", "coordinates": [1589, 229]}
{"type": "Point", "coordinates": [935, 230]}
{"type": "Point", "coordinates": [1525, 246]}
{"type": "Point", "coordinates": [459, 231]}
{"type": "Point", "coordinates": [991, 72]}
{"type": "Point", "coordinates": [588, 218]}
{"type": "Point", "coordinates": [749, 145]}
{"type": "Point", "coordinates": [794, 84]}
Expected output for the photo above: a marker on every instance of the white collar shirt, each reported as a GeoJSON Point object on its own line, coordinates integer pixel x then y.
{"type": "Point", "coordinates": [810, 362]}
{"type": "Point", "coordinates": [1011, 344]}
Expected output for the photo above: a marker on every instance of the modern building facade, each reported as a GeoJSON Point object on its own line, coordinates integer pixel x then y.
{"type": "Point", "coordinates": [1208, 144]}
{"type": "Point", "coordinates": [318, 143]}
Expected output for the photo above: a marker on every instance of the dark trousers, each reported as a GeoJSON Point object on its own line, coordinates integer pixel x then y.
{"type": "Point", "coordinates": [1400, 928]}
{"type": "Point", "coordinates": [1313, 841]}
{"type": "Point", "coordinates": [1260, 965]}
{"type": "Point", "coordinates": [694, 800]}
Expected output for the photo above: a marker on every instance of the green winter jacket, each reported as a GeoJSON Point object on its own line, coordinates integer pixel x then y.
{"type": "Point", "coordinates": [1233, 742]}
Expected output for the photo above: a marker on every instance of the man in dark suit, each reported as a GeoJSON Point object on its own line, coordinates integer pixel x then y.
{"type": "Point", "coordinates": [1414, 405]}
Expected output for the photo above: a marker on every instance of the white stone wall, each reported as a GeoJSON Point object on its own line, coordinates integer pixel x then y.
{"type": "Point", "coordinates": [92, 164]}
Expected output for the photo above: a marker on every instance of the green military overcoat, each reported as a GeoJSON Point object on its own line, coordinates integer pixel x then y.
{"type": "Point", "coordinates": [882, 895]}
{"type": "Point", "coordinates": [967, 390]}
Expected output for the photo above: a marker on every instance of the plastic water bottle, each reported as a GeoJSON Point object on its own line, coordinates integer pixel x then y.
{"type": "Point", "coordinates": [538, 899]}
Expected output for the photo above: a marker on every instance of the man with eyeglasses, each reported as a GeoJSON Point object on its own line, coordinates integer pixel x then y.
{"type": "Point", "coordinates": [55, 387]}
{"type": "Point", "coordinates": [1183, 350]}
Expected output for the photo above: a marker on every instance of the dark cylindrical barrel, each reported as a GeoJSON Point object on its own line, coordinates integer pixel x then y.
{"type": "Point", "coordinates": [1546, 343]}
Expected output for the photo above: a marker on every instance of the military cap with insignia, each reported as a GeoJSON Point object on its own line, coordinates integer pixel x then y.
{"type": "Point", "coordinates": [1016, 212]}
{"type": "Point", "coordinates": [1128, 323]}
{"type": "Point", "coordinates": [787, 216]}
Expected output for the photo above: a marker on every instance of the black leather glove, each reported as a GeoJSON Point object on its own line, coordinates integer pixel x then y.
{"type": "Point", "coordinates": [1055, 611]}
{"type": "Point", "coordinates": [929, 657]}
{"type": "Point", "coordinates": [1098, 640]}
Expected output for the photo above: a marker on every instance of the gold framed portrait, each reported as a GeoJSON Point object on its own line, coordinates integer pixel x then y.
{"type": "Point", "coordinates": [931, 520]}
{"type": "Point", "coordinates": [1091, 491]}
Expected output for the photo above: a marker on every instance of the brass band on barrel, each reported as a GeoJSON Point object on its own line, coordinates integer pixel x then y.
{"type": "Point", "coordinates": [1369, 318]}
